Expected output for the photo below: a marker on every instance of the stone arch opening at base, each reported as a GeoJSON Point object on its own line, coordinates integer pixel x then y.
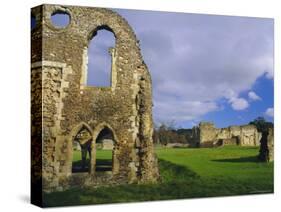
{"type": "Point", "coordinates": [82, 149]}
{"type": "Point", "coordinates": [105, 149]}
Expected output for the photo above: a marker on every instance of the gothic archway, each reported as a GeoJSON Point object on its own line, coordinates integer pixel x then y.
{"type": "Point", "coordinates": [105, 141]}
{"type": "Point", "coordinates": [82, 149]}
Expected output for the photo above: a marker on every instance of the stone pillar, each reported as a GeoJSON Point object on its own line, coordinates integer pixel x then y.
{"type": "Point", "coordinates": [270, 144]}
{"type": "Point", "coordinates": [113, 53]}
{"type": "Point", "coordinates": [266, 146]}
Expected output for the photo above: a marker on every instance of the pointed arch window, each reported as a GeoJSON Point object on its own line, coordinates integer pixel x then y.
{"type": "Point", "coordinates": [82, 148]}
{"type": "Point", "coordinates": [100, 50]}
{"type": "Point", "coordinates": [105, 143]}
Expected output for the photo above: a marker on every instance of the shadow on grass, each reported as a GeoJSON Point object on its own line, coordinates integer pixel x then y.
{"type": "Point", "coordinates": [174, 183]}
{"type": "Point", "coordinates": [174, 172]}
{"type": "Point", "coordinates": [177, 182]}
{"type": "Point", "coordinates": [251, 159]}
{"type": "Point", "coordinates": [77, 166]}
{"type": "Point", "coordinates": [101, 165]}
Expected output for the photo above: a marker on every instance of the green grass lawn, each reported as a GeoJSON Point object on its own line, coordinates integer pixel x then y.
{"type": "Point", "coordinates": [185, 173]}
{"type": "Point", "coordinates": [103, 160]}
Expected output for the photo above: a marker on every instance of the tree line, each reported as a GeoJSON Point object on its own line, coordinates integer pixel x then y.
{"type": "Point", "coordinates": [167, 132]}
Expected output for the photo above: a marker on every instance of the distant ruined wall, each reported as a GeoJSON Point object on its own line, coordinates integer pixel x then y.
{"type": "Point", "coordinates": [208, 132]}
{"type": "Point", "coordinates": [59, 72]}
{"type": "Point", "coordinates": [249, 136]}
{"type": "Point", "coordinates": [207, 135]}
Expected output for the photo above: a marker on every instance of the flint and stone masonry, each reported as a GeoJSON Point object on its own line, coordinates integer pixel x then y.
{"type": "Point", "coordinates": [64, 107]}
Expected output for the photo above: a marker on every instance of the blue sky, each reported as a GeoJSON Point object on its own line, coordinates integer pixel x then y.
{"type": "Point", "coordinates": [203, 67]}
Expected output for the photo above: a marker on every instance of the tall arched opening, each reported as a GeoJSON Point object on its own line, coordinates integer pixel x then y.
{"type": "Point", "coordinates": [82, 150]}
{"type": "Point", "coordinates": [100, 58]}
{"type": "Point", "coordinates": [105, 146]}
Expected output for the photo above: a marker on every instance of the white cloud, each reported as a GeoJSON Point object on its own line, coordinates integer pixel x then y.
{"type": "Point", "coordinates": [269, 112]}
{"type": "Point", "coordinates": [198, 61]}
{"type": "Point", "coordinates": [239, 103]}
{"type": "Point", "coordinates": [181, 110]}
{"type": "Point", "coordinates": [253, 96]}
{"type": "Point", "coordinates": [236, 102]}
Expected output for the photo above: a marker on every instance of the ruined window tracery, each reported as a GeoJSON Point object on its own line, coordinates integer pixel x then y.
{"type": "Point", "coordinates": [100, 58]}
{"type": "Point", "coordinates": [60, 19]}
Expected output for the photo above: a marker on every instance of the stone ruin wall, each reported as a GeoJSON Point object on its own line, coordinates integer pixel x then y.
{"type": "Point", "coordinates": [270, 144]}
{"type": "Point", "coordinates": [207, 135]}
{"type": "Point", "coordinates": [266, 152]}
{"type": "Point", "coordinates": [58, 75]}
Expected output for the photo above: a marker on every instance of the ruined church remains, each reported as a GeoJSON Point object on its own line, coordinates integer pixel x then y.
{"type": "Point", "coordinates": [207, 135]}
{"type": "Point", "coordinates": [75, 115]}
